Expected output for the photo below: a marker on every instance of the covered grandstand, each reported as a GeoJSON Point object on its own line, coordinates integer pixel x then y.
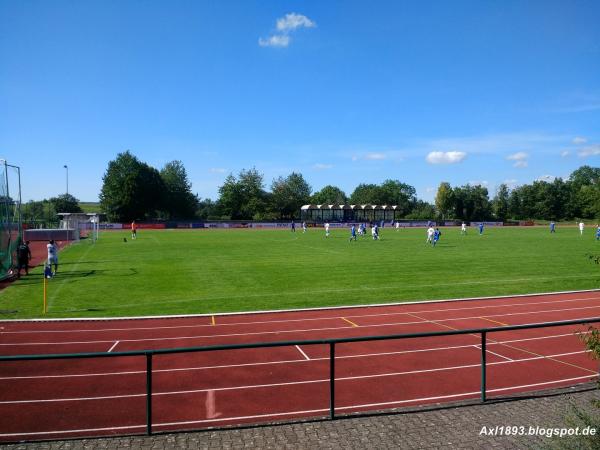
{"type": "Point", "coordinates": [348, 213]}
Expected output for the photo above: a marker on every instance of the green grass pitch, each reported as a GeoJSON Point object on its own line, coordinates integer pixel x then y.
{"type": "Point", "coordinates": [211, 271]}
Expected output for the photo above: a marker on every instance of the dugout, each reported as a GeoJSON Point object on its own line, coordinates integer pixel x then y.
{"type": "Point", "coordinates": [348, 213]}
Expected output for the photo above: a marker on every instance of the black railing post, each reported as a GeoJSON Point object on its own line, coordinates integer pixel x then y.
{"type": "Point", "coordinates": [149, 393]}
{"type": "Point", "coordinates": [483, 365]}
{"type": "Point", "coordinates": [332, 380]}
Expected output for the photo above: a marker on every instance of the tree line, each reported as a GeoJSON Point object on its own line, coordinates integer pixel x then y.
{"type": "Point", "coordinates": [134, 190]}
{"type": "Point", "coordinates": [576, 197]}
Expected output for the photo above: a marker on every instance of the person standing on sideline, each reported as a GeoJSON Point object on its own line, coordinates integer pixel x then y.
{"type": "Point", "coordinates": [353, 233]}
{"type": "Point", "coordinates": [581, 226]}
{"type": "Point", "coordinates": [133, 230]}
{"type": "Point", "coordinates": [552, 227]}
{"type": "Point", "coordinates": [52, 255]}
{"type": "Point", "coordinates": [293, 226]}
{"type": "Point", "coordinates": [23, 258]}
{"type": "Point", "coordinates": [326, 229]}
{"type": "Point", "coordinates": [463, 229]}
{"type": "Point", "coordinates": [481, 228]}
{"type": "Point", "coordinates": [598, 233]}
{"type": "Point", "coordinates": [304, 227]}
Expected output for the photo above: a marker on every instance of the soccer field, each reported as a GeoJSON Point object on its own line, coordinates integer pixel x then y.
{"type": "Point", "coordinates": [211, 271]}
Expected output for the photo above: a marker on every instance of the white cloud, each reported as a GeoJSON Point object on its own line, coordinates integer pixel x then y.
{"type": "Point", "coordinates": [579, 140]}
{"type": "Point", "coordinates": [565, 153]}
{"type": "Point", "coordinates": [285, 25]}
{"type": "Point", "coordinates": [520, 159]}
{"type": "Point", "coordinates": [217, 170]}
{"type": "Point", "coordinates": [430, 189]}
{"type": "Point", "coordinates": [511, 183]}
{"type": "Point", "coordinates": [292, 21]}
{"type": "Point", "coordinates": [482, 183]}
{"type": "Point", "coordinates": [320, 166]}
{"type": "Point", "coordinates": [519, 156]}
{"type": "Point", "coordinates": [445, 157]}
{"type": "Point", "coordinates": [592, 150]}
{"type": "Point", "coordinates": [547, 178]}
{"type": "Point", "coordinates": [375, 156]}
{"type": "Point", "coordinates": [277, 40]}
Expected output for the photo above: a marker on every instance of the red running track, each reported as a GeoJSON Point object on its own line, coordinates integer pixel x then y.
{"type": "Point", "coordinates": [106, 396]}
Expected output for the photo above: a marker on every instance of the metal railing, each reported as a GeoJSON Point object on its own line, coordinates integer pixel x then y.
{"type": "Point", "coordinates": [330, 342]}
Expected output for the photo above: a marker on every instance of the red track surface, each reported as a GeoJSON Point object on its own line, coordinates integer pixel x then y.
{"type": "Point", "coordinates": [104, 396]}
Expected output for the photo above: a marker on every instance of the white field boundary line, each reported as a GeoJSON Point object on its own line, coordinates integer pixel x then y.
{"type": "Point", "coordinates": [325, 308]}
{"type": "Point", "coordinates": [294, 413]}
{"type": "Point", "coordinates": [290, 383]}
{"type": "Point", "coordinates": [270, 322]}
{"type": "Point", "coordinates": [307, 330]}
{"type": "Point", "coordinates": [289, 361]}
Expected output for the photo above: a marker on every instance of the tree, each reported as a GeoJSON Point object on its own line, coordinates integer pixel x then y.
{"type": "Point", "coordinates": [39, 211]}
{"type": "Point", "coordinates": [500, 202]}
{"type": "Point", "coordinates": [131, 189]}
{"type": "Point", "coordinates": [207, 209]}
{"type": "Point", "coordinates": [289, 194]}
{"type": "Point", "coordinates": [394, 192]}
{"type": "Point", "coordinates": [65, 203]}
{"type": "Point", "coordinates": [366, 194]}
{"type": "Point", "coordinates": [243, 197]}
{"type": "Point", "coordinates": [471, 203]}
{"type": "Point", "coordinates": [422, 211]}
{"type": "Point", "coordinates": [445, 200]}
{"type": "Point", "coordinates": [329, 195]}
{"type": "Point", "coordinates": [180, 203]}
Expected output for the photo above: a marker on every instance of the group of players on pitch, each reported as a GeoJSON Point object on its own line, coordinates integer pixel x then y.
{"type": "Point", "coordinates": [433, 234]}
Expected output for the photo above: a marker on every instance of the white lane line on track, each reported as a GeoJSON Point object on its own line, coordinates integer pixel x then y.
{"type": "Point", "coordinates": [231, 366]}
{"type": "Point", "coordinates": [303, 354]}
{"type": "Point", "coordinates": [113, 347]}
{"type": "Point", "coordinates": [478, 347]}
{"type": "Point", "coordinates": [296, 413]}
{"type": "Point", "coordinates": [291, 383]}
{"type": "Point", "coordinates": [15, 344]}
{"type": "Point", "coordinates": [89, 330]}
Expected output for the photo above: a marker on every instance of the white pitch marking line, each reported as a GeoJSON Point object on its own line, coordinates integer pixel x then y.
{"type": "Point", "coordinates": [289, 413]}
{"type": "Point", "coordinates": [114, 345]}
{"type": "Point", "coordinates": [89, 330]}
{"type": "Point", "coordinates": [303, 354]}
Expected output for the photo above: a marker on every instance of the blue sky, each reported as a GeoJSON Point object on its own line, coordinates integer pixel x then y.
{"type": "Point", "coordinates": [343, 92]}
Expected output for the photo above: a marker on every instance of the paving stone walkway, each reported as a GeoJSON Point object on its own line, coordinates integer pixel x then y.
{"type": "Point", "coordinates": [457, 426]}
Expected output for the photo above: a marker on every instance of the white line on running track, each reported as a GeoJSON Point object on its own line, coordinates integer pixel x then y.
{"type": "Point", "coordinates": [290, 383]}
{"type": "Point", "coordinates": [16, 344]}
{"type": "Point", "coordinates": [296, 413]}
{"type": "Point", "coordinates": [303, 354]}
{"type": "Point", "coordinates": [90, 330]}
{"type": "Point", "coordinates": [478, 347]}
{"type": "Point", "coordinates": [112, 348]}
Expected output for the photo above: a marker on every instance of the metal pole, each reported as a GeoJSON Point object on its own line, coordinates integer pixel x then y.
{"type": "Point", "coordinates": [483, 365]}
{"type": "Point", "coordinates": [67, 167]}
{"type": "Point", "coordinates": [148, 393]}
{"type": "Point", "coordinates": [332, 380]}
